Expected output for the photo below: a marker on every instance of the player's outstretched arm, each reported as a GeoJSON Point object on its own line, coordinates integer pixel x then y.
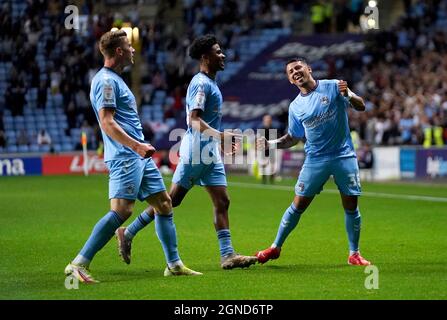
{"type": "Point", "coordinates": [285, 142]}
{"type": "Point", "coordinates": [198, 124]}
{"type": "Point", "coordinates": [114, 131]}
{"type": "Point", "coordinates": [356, 101]}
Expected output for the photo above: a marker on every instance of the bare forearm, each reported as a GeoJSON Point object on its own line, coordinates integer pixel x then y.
{"type": "Point", "coordinates": [357, 102]}
{"type": "Point", "coordinates": [199, 125]}
{"type": "Point", "coordinates": [114, 131]}
{"type": "Point", "coordinates": [284, 142]}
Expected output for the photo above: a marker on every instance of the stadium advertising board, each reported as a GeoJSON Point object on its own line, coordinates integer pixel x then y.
{"type": "Point", "coordinates": [407, 162]}
{"type": "Point", "coordinates": [292, 161]}
{"type": "Point", "coordinates": [20, 166]}
{"type": "Point", "coordinates": [423, 163]}
{"type": "Point", "coordinates": [72, 164]}
{"type": "Point", "coordinates": [386, 163]}
{"type": "Point", "coordinates": [56, 164]}
{"type": "Point", "coordinates": [431, 163]}
{"type": "Point", "coordinates": [261, 87]}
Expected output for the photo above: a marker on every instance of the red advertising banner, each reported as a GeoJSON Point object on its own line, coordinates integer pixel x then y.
{"type": "Point", "coordinates": [74, 164]}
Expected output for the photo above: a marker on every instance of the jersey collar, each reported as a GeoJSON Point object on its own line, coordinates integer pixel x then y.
{"type": "Point", "coordinates": [110, 69]}
{"type": "Point", "coordinates": [313, 89]}
{"type": "Point", "coordinates": [214, 80]}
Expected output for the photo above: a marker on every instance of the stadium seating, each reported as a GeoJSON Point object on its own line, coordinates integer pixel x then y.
{"type": "Point", "coordinates": [55, 56]}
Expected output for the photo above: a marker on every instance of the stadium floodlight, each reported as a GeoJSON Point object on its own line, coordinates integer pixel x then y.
{"type": "Point", "coordinates": [135, 34]}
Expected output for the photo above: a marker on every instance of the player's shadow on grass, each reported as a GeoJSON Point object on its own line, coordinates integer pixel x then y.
{"type": "Point", "coordinates": [121, 275]}
{"type": "Point", "coordinates": [305, 267]}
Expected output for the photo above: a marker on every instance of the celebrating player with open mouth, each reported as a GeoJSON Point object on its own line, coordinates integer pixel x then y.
{"type": "Point", "coordinates": [319, 114]}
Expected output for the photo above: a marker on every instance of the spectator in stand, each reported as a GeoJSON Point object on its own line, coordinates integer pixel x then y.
{"type": "Point", "coordinates": [318, 16]}
{"type": "Point", "coordinates": [342, 15]}
{"type": "Point", "coordinates": [148, 132]}
{"type": "Point", "coordinates": [42, 95]}
{"type": "Point", "coordinates": [365, 157]}
{"type": "Point", "coordinates": [89, 131]}
{"type": "Point", "coordinates": [406, 125]}
{"type": "Point", "coordinates": [158, 81]}
{"type": "Point", "coordinates": [433, 133]}
{"type": "Point", "coordinates": [15, 97]}
{"type": "Point", "coordinates": [178, 96]}
{"type": "Point", "coordinates": [267, 167]}
{"type": "Point", "coordinates": [2, 139]}
{"type": "Point", "coordinates": [43, 138]}
{"type": "Point", "coordinates": [22, 138]}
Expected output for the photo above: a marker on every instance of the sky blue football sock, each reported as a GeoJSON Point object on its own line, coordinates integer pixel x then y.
{"type": "Point", "coordinates": [224, 238]}
{"type": "Point", "coordinates": [288, 222]}
{"type": "Point", "coordinates": [165, 228]}
{"type": "Point", "coordinates": [102, 232]}
{"type": "Point", "coordinates": [139, 223]}
{"type": "Point", "coordinates": [353, 221]}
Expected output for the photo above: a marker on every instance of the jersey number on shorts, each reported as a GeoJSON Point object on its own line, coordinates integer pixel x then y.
{"type": "Point", "coordinates": [354, 179]}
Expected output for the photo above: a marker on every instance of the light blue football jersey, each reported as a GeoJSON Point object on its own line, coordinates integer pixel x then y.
{"type": "Point", "coordinates": [321, 117]}
{"type": "Point", "coordinates": [108, 90]}
{"type": "Point", "coordinates": [202, 94]}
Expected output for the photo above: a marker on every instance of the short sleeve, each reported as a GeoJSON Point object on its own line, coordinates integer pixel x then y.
{"type": "Point", "coordinates": [106, 94]}
{"type": "Point", "coordinates": [296, 128]}
{"type": "Point", "coordinates": [197, 95]}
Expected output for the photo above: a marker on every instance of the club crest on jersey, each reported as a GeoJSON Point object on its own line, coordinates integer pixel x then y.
{"type": "Point", "coordinates": [130, 189]}
{"type": "Point", "coordinates": [324, 101]}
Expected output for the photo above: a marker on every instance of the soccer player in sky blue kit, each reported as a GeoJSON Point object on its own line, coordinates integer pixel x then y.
{"type": "Point", "coordinates": [319, 114]}
{"type": "Point", "coordinates": [132, 172]}
{"type": "Point", "coordinates": [200, 159]}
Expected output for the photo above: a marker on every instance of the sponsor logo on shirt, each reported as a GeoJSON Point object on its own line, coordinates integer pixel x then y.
{"type": "Point", "coordinates": [200, 98]}
{"type": "Point", "coordinates": [318, 120]}
{"type": "Point", "coordinates": [108, 93]}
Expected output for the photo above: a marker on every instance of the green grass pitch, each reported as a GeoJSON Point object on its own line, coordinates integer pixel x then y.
{"type": "Point", "coordinates": [44, 221]}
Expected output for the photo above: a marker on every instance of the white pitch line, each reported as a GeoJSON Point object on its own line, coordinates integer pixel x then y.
{"type": "Point", "coordinates": [367, 194]}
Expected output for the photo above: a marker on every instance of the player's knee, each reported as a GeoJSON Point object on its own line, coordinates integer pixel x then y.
{"type": "Point", "coordinates": [227, 203]}
{"type": "Point", "coordinates": [297, 210]}
{"type": "Point", "coordinates": [350, 203]}
{"type": "Point", "coordinates": [223, 204]}
{"type": "Point", "coordinates": [165, 206]}
{"type": "Point", "coordinates": [124, 212]}
{"type": "Point", "coordinates": [301, 203]}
